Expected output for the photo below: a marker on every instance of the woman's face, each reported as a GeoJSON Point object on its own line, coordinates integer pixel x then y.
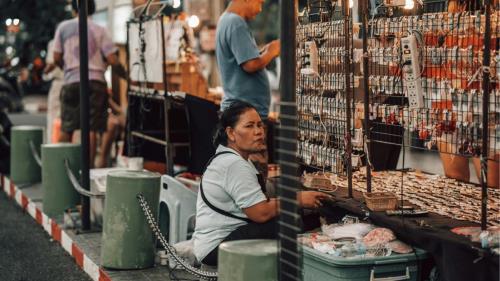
{"type": "Point", "coordinates": [248, 133]}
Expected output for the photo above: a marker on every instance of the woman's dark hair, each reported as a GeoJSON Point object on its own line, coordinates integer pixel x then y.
{"type": "Point", "coordinates": [229, 118]}
{"type": "Point", "coordinates": [90, 6]}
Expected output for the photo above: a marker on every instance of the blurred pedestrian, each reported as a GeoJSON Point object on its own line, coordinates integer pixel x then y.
{"type": "Point", "coordinates": [208, 61]}
{"type": "Point", "coordinates": [241, 63]}
{"type": "Point", "coordinates": [117, 119]}
{"type": "Point", "coordinates": [54, 73]}
{"type": "Point", "coordinates": [101, 52]}
{"type": "Point", "coordinates": [242, 67]}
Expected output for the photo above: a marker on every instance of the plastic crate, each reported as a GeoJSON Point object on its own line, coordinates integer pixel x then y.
{"type": "Point", "coordinates": [323, 267]}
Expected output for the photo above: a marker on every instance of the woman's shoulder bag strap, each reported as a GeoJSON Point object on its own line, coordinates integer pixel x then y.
{"type": "Point", "coordinates": [220, 211]}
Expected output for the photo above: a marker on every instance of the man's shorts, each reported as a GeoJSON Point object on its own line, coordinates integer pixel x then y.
{"type": "Point", "coordinates": [70, 107]}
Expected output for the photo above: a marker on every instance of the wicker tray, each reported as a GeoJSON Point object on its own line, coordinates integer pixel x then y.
{"type": "Point", "coordinates": [318, 181]}
{"type": "Point", "coordinates": [380, 201]}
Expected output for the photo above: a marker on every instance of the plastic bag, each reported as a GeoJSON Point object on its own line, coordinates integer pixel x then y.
{"type": "Point", "coordinates": [355, 230]}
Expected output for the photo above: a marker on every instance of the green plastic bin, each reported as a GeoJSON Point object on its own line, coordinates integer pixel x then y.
{"type": "Point", "coordinates": [127, 240]}
{"type": "Point", "coordinates": [248, 260]}
{"type": "Point", "coordinates": [23, 167]}
{"type": "Point", "coordinates": [58, 192]}
{"type": "Point", "coordinates": [318, 266]}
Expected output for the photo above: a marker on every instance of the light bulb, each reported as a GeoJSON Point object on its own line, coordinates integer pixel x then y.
{"type": "Point", "coordinates": [193, 21]}
{"type": "Point", "coordinates": [8, 22]}
{"type": "Point", "coordinates": [9, 50]}
{"type": "Point", "coordinates": [15, 21]}
{"type": "Point", "coordinates": [176, 4]}
{"type": "Point", "coordinates": [409, 4]}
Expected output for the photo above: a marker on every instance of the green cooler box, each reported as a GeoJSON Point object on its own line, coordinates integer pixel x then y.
{"type": "Point", "coordinates": [323, 267]}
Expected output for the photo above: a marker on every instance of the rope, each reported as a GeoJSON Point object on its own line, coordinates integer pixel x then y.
{"type": "Point", "coordinates": [76, 185]}
{"type": "Point", "coordinates": [35, 154]}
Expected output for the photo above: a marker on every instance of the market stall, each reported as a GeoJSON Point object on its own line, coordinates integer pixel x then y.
{"type": "Point", "coordinates": [419, 77]}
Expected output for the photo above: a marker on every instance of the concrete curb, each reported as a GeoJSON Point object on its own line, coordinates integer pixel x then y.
{"type": "Point", "coordinates": [54, 230]}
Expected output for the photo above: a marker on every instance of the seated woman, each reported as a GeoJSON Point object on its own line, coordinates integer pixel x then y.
{"type": "Point", "coordinates": [231, 203]}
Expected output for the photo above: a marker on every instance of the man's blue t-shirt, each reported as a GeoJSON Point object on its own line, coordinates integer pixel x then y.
{"type": "Point", "coordinates": [234, 46]}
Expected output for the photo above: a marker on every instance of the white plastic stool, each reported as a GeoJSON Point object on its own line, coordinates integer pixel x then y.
{"type": "Point", "coordinates": [178, 202]}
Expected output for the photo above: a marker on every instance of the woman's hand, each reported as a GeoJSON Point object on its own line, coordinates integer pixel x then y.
{"type": "Point", "coordinates": [312, 199]}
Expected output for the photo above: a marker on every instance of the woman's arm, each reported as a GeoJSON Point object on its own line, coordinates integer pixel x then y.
{"type": "Point", "coordinates": [266, 210]}
{"type": "Point", "coordinates": [263, 211]}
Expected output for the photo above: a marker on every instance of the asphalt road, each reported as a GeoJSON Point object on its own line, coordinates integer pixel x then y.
{"type": "Point", "coordinates": [26, 251]}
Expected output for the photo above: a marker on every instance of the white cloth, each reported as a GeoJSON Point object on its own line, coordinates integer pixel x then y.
{"type": "Point", "coordinates": [152, 54]}
{"type": "Point", "coordinates": [229, 183]}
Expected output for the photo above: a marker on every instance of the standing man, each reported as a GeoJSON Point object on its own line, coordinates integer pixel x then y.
{"type": "Point", "coordinates": [242, 65]}
{"type": "Point", "coordinates": [67, 56]}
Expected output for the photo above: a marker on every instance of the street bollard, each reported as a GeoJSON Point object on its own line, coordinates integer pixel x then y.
{"type": "Point", "coordinates": [24, 168]}
{"type": "Point", "coordinates": [58, 192]}
{"type": "Point", "coordinates": [127, 240]}
{"type": "Point", "coordinates": [248, 260]}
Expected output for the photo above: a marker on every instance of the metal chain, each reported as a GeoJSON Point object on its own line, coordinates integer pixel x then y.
{"type": "Point", "coordinates": [202, 274]}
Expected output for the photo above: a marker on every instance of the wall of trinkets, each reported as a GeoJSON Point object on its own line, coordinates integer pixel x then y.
{"type": "Point", "coordinates": [382, 81]}
{"type": "Point", "coordinates": [430, 76]}
{"type": "Point", "coordinates": [433, 85]}
{"type": "Point", "coordinates": [325, 82]}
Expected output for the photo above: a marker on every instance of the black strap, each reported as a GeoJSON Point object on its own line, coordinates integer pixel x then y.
{"type": "Point", "coordinates": [220, 211]}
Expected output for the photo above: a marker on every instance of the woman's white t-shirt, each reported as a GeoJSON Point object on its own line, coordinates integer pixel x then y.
{"type": "Point", "coordinates": [229, 183]}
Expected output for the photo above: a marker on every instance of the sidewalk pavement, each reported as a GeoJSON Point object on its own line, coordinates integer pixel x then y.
{"type": "Point", "coordinates": [27, 253]}
{"type": "Point", "coordinates": [84, 247]}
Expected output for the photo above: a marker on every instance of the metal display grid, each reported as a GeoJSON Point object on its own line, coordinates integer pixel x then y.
{"type": "Point", "coordinates": [321, 99]}
{"type": "Point", "coordinates": [459, 73]}
{"type": "Point", "coordinates": [451, 63]}
{"type": "Point", "coordinates": [459, 112]}
{"type": "Point", "coordinates": [325, 96]}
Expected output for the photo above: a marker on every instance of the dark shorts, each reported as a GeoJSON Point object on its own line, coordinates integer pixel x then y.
{"type": "Point", "coordinates": [253, 230]}
{"type": "Point", "coordinates": [70, 107]}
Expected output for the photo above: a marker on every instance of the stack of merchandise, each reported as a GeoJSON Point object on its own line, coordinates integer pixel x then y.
{"type": "Point", "coordinates": [432, 193]}
{"type": "Point", "coordinates": [354, 239]}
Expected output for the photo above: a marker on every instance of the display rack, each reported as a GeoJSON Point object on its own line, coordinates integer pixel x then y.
{"type": "Point", "coordinates": [170, 108]}
{"type": "Point", "coordinates": [324, 92]}
{"type": "Point", "coordinates": [432, 84]}
{"type": "Point", "coordinates": [450, 47]}
{"type": "Point", "coordinates": [146, 75]}
{"type": "Point", "coordinates": [427, 121]}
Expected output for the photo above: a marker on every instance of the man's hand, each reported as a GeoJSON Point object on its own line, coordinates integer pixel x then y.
{"type": "Point", "coordinates": [312, 199]}
{"type": "Point", "coordinates": [268, 53]}
{"type": "Point", "coordinates": [274, 48]}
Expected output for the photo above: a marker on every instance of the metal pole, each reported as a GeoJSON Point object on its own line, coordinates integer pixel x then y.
{"type": "Point", "coordinates": [289, 223]}
{"type": "Point", "coordinates": [348, 92]}
{"type": "Point", "coordinates": [486, 106]}
{"type": "Point", "coordinates": [169, 157]}
{"type": "Point", "coordinates": [366, 98]}
{"type": "Point", "coordinates": [128, 125]}
{"type": "Point", "coordinates": [84, 110]}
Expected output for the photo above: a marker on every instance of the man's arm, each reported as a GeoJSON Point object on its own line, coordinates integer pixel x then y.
{"type": "Point", "coordinates": [271, 51]}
